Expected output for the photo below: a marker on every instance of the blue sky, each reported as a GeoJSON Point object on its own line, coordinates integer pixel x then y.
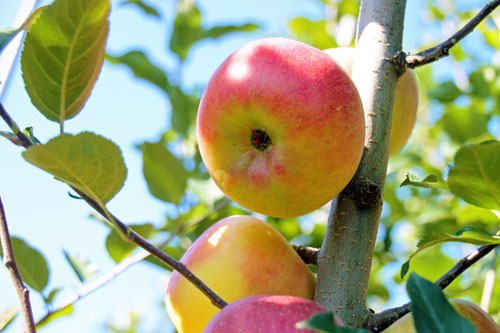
{"type": "Point", "coordinates": [127, 111]}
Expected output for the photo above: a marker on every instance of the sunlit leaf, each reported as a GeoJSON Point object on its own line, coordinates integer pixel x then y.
{"type": "Point", "coordinates": [7, 317]}
{"type": "Point", "coordinates": [475, 175]}
{"type": "Point", "coordinates": [65, 311]}
{"type": "Point", "coordinates": [431, 310]}
{"type": "Point", "coordinates": [86, 161]}
{"type": "Point", "coordinates": [314, 33]}
{"type": "Point", "coordinates": [63, 54]}
{"type": "Point", "coordinates": [118, 249]}
{"type": "Point", "coordinates": [164, 173]}
{"type": "Point", "coordinates": [431, 181]}
{"type": "Point", "coordinates": [6, 35]}
{"type": "Point", "coordinates": [83, 269]}
{"type": "Point", "coordinates": [52, 295]}
{"type": "Point", "coordinates": [31, 264]}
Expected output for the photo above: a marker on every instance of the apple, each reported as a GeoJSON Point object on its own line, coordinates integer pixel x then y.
{"type": "Point", "coordinates": [405, 101]}
{"type": "Point", "coordinates": [265, 313]}
{"type": "Point", "coordinates": [280, 127]}
{"type": "Point", "coordinates": [480, 319]}
{"type": "Point", "coordinates": [236, 257]}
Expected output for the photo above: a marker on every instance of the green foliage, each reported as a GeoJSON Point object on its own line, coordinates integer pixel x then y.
{"type": "Point", "coordinates": [164, 173]}
{"type": "Point", "coordinates": [144, 7]}
{"type": "Point", "coordinates": [86, 161]}
{"type": "Point", "coordinates": [62, 312]}
{"type": "Point", "coordinates": [475, 176]}
{"type": "Point", "coordinates": [6, 35]}
{"type": "Point", "coordinates": [31, 264]}
{"type": "Point", "coordinates": [83, 269]}
{"type": "Point", "coordinates": [431, 310]}
{"type": "Point", "coordinates": [63, 54]}
{"type": "Point", "coordinates": [188, 29]}
{"type": "Point", "coordinates": [118, 249]}
{"type": "Point", "coordinates": [7, 317]}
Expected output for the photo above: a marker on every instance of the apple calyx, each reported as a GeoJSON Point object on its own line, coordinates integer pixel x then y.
{"type": "Point", "coordinates": [260, 139]}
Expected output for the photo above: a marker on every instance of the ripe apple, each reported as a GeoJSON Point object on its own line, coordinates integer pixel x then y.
{"type": "Point", "coordinates": [265, 313]}
{"type": "Point", "coordinates": [236, 257]}
{"type": "Point", "coordinates": [280, 127]}
{"type": "Point", "coordinates": [480, 319]}
{"type": "Point", "coordinates": [405, 100]}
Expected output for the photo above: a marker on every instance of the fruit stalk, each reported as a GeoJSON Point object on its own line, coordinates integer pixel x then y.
{"type": "Point", "coordinates": [344, 261]}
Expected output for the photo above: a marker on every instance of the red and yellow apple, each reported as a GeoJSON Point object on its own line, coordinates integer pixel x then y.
{"type": "Point", "coordinates": [405, 100]}
{"type": "Point", "coordinates": [236, 257]}
{"type": "Point", "coordinates": [280, 127]}
{"type": "Point", "coordinates": [265, 313]}
{"type": "Point", "coordinates": [480, 319]}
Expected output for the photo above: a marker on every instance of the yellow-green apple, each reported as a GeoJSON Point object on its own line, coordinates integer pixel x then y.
{"type": "Point", "coordinates": [265, 313]}
{"type": "Point", "coordinates": [236, 257]}
{"type": "Point", "coordinates": [280, 127]}
{"type": "Point", "coordinates": [405, 100]}
{"type": "Point", "coordinates": [480, 319]}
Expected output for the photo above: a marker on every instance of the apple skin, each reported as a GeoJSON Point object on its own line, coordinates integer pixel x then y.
{"type": "Point", "coordinates": [480, 319]}
{"type": "Point", "coordinates": [265, 313]}
{"type": "Point", "coordinates": [310, 111]}
{"type": "Point", "coordinates": [405, 100]}
{"type": "Point", "coordinates": [236, 257]}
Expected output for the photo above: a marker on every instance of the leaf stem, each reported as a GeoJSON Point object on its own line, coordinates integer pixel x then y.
{"type": "Point", "coordinates": [9, 261]}
{"type": "Point", "coordinates": [443, 49]}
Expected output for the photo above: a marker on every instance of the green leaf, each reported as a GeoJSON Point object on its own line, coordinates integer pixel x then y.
{"type": "Point", "coordinates": [446, 92]}
{"type": "Point", "coordinates": [475, 175]}
{"type": "Point", "coordinates": [6, 35]}
{"type": "Point", "coordinates": [63, 54]}
{"type": "Point", "coordinates": [188, 29]}
{"type": "Point", "coordinates": [164, 173]}
{"type": "Point", "coordinates": [431, 310]}
{"type": "Point", "coordinates": [462, 124]}
{"type": "Point", "coordinates": [83, 269]}
{"type": "Point", "coordinates": [65, 311]}
{"type": "Point", "coordinates": [7, 317]}
{"type": "Point", "coordinates": [431, 181]}
{"type": "Point", "coordinates": [184, 109]}
{"type": "Point", "coordinates": [50, 298]}
{"type": "Point", "coordinates": [146, 8]}
{"type": "Point", "coordinates": [86, 161]}
{"type": "Point", "coordinates": [465, 235]}
{"type": "Point", "coordinates": [31, 264]}
{"type": "Point", "coordinates": [142, 68]}
{"type": "Point", "coordinates": [324, 322]}
{"type": "Point", "coordinates": [314, 33]}
{"type": "Point", "coordinates": [118, 249]}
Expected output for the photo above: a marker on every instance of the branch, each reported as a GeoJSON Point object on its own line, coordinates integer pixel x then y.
{"type": "Point", "coordinates": [128, 233]}
{"type": "Point", "coordinates": [308, 254]}
{"type": "Point", "coordinates": [122, 266]}
{"type": "Point", "coordinates": [443, 49]}
{"type": "Point", "coordinates": [9, 261]}
{"type": "Point", "coordinates": [382, 320]}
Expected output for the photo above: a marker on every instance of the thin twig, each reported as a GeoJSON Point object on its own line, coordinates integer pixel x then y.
{"type": "Point", "coordinates": [23, 139]}
{"type": "Point", "coordinates": [443, 49]}
{"type": "Point", "coordinates": [385, 318]}
{"type": "Point", "coordinates": [309, 255]}
{"type": "Point", "coordinates": [9, 261]}
{"type": "Point", "coordinates": [123, 265]}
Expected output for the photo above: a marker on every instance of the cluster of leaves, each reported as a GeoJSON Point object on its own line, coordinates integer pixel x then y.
{"type": "Point", "coordinates": [453, 203]}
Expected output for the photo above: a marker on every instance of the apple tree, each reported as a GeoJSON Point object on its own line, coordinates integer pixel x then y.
{"type": "Point", "coordinates": [428, 213]}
